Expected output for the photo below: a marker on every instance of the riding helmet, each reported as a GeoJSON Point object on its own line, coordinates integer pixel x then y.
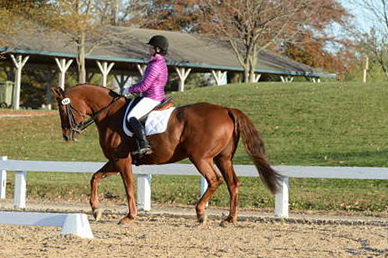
{"type": "Point", "coordinates": [160, 42]}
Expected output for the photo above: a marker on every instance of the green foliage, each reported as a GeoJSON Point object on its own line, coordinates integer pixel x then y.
{"type": "Point", "coordinates": [327, 124]}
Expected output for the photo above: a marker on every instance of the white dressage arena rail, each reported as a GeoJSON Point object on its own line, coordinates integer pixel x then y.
{"type": "Point", "coordinates": [145, 172]}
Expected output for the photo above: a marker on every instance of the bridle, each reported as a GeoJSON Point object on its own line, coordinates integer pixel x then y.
{"type": "Point", "coordinates": [79, 127]}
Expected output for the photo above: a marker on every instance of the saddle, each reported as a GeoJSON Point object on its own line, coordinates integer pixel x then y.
{"type": "Point", "coordinates": [165, 104]}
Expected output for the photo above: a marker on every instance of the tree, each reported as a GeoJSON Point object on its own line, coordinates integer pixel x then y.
{"type": "Point", "coordinates": [6, 18]}
{"type": "Point", "coordinates": [179, 15]}
{"type": "Point", "coordinates": [71, 17]}
{"type": "Point", "coordinates": [318, 45]}
{"type": "Point", "coordinates": [251, 26]}
{"type": "Point", "coordinates": [374, 42]}
{"type": "Point", "coordinates": [78, 19]}
{"type": "Point", "coordinates": [84, 22]}
{"type": "Point", "coordinates": [13, 16]}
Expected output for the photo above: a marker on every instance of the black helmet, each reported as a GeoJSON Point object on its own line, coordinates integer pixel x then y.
{"type": "Point", "coordinates": [160, 42]}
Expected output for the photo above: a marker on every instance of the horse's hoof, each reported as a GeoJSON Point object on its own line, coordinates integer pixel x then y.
{"type": "Point", "coordinates": [228, 222]}
{"type": "Point", "coordinates": [202, 219]}
{"type": "Point", "coordinates": [97, 214]}
{"type": "Point", "coordinates": [125, 221]}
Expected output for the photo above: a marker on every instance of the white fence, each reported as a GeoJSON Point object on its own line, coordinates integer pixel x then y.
{"type": "Point", "coordinates": [144, 174]}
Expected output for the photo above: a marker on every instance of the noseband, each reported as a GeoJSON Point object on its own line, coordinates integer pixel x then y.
{"type": "Point", "coordinates": [79, 127]}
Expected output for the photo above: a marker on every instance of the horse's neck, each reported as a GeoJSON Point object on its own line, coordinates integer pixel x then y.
{"type": "Point", "coordinates": [97, 99]}
{"type": "Point", "coordinates": [113, 113]}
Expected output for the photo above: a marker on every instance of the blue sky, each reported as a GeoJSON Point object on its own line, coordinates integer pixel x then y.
{"type": "Point", "coordinates": [362, 17]}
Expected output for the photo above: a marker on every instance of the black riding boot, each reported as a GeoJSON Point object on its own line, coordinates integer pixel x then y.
{"type": "Point", "coordinates": [138, 131]}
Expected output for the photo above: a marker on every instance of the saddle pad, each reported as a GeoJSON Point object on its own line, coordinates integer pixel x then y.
{"type": "Point", "coordinates": [156, 122]}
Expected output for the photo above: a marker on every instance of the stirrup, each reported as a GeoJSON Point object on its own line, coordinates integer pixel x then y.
{"type": "Point", "coordinates": [141, 152]}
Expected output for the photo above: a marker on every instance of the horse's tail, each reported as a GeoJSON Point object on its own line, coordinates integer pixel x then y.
{"type": "Point", "coordinates": [255, 148]}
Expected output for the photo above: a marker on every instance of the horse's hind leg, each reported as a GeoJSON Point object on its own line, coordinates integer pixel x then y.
{"type": "Point", "coordinates": [225, 165]}
{"type": "Point", "coordinates": [205, 167]}
{"type": "Point", "coordinates": [106, 171]}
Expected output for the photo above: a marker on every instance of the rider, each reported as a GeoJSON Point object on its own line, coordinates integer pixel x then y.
{"type": "Point", "coordinates": [152, 89]}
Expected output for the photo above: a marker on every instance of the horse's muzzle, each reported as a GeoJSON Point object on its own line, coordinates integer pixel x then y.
{"type": "Point", "coordinates": [69, 136]}
{"type": "Point", "coordinates": [66, 137]}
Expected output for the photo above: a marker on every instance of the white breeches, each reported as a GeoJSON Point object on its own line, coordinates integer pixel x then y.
{"type": "Point", "coordinates": [144, 106]}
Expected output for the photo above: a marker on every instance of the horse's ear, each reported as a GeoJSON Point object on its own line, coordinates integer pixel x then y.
{"type": "Point", "coordinates": [58, 92]}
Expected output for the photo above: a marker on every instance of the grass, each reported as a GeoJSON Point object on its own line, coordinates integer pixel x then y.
{"type": "Point", "coordinates": [311, 124]}
{"type": "Point", "coordinates": [327, 124]}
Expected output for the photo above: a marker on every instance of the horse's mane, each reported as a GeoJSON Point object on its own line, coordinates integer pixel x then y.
{"type": "Point", "coordinates": [89, 84]}
{"type": "Point", "coordinates": [110, 92]}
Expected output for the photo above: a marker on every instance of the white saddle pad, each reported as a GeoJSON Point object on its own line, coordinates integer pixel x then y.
{"type": "Point", "coordinates": [156, 122]}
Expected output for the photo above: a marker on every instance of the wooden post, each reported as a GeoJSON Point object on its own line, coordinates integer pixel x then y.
{"type": "Point", "coordinates": [218, 75]}
{"type": "Point", "coordinates": [105, 69]}
{"type": "Point", "coordinates": [366, 67]}
{"type": "Point", "coordinates": [121, 79]}
{"type": "Point", "coordinates": [286, 79]}
{"type": "Point", "coordinates": [63, 65]}
{"type": "Point", "coordinates": [141, 68]}
{"type": "Point", "coordinates": [19, 63]}
{"type": "Point", "coordinates": [182, 73]}
{"type": "Point", "coordinates": [3, 181]}
{"type": "Point", "coordinates": [144, 192]}
{"type": "Point", "coordinates": [256, 77]}
{"type": "Point", "coordinates": [204, 186]}
{"type": "Point", "coordinates": [20, 189]}
{"type": "Point", "coordinates": [90, 75]}
{"type": "Point", "coordinates": [48, 76]}
{"type": "Point", "coordinates": [281, 199]}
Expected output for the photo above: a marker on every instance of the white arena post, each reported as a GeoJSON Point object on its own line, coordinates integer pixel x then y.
{"type": "Point", "coordinates": [20, 189]}
{"type": "Point", "coordinates": [282, 198]}
{"type": "Point", "coordinates": [71, 223]}
{"type": "Point", "coordinates": [3, 180]}
{"type": "Point", "coordinates": [144, 192]}
{"type": "Point", "coordinates": [204, 186]}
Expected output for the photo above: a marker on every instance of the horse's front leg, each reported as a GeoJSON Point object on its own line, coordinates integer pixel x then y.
{"type": "Point", "coordinates": [107, 170]}
{"type": "Point", "coordinates": [125, 168]}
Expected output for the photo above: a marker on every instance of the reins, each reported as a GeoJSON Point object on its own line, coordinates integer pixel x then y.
{"type": "Point", "coordinates": [79, 127]}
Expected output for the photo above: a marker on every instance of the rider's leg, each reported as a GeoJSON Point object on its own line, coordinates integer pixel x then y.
{"type": "Point", "coordinates": [144, 106]}
{"type": "Point", "coordinates": [138, 130]}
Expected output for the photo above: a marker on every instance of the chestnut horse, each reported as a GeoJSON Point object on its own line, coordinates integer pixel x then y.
{"type": "Point", "coordinates": [205, 133]}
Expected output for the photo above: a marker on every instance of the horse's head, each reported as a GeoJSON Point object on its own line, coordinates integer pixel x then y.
{"type": "Point", "coordinates": [71, 112]}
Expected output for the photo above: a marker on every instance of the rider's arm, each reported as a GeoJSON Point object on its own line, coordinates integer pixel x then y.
{"type": "Point", "coordinates": [148, 79]}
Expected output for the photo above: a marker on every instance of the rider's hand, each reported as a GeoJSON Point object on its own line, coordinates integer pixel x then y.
{"type": "Point", "coordinates": [124, 91]}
